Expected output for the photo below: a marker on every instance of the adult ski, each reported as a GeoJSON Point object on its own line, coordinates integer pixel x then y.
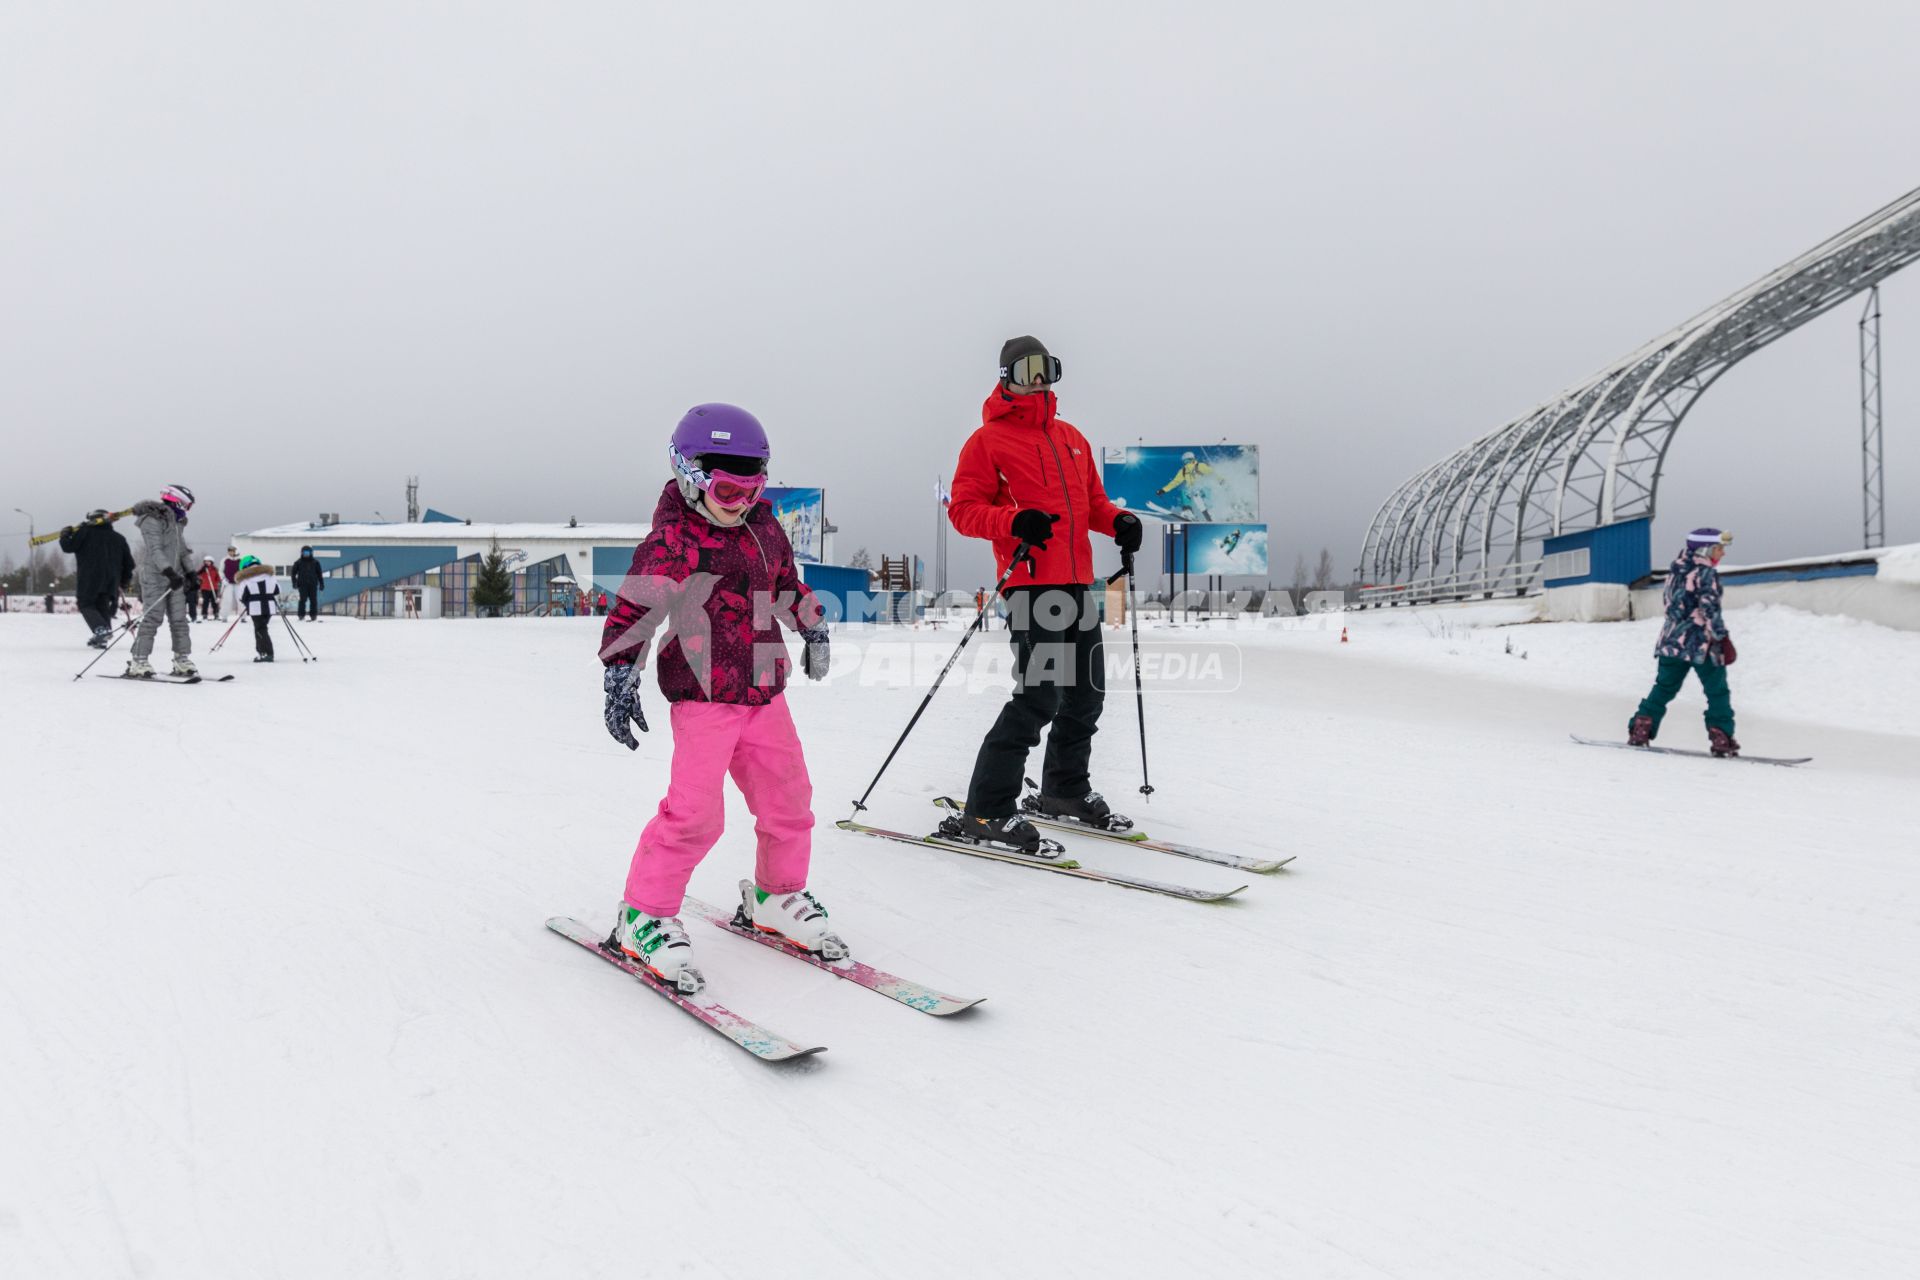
{"type": "Point", "coordinates": [752, 1037]}
{"type": "Point", "coordinates": [1062, 866]}
{"type": "Point", "coordinates": [911, 994]}
{"type": "Point", "coordinates": [1140, 840]}
{"type": "Point", "coordinates": [1785, 761]}
{"type": "Point", "coordinates": [159, 679]}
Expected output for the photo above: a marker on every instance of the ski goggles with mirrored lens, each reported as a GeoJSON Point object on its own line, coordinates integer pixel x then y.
{"type": "Point", "coordinates": [730, 490]}
{"type": "Point", "coordinates": [1029, 371]}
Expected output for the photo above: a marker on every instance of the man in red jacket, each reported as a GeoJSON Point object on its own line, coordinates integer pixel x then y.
{"type": "Point", "coordinates": [1028, 477]}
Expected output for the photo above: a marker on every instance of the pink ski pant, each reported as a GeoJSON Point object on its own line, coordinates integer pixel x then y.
{"type": "Point", "coordinates": [760, 748]}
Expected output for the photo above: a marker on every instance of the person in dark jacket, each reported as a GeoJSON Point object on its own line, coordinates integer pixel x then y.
{"type": "Point", "coordinates": [1027, 477]}
{"type": "Point", "coordinates": [104, 566]}
{"type": "Point", "coordinates": [307, 577]}
{"type": "Point", "coordinates": [1694, 638]}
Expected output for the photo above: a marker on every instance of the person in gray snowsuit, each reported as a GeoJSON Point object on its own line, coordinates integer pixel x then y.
{"type": "Point", "coordinates": [166, 575]}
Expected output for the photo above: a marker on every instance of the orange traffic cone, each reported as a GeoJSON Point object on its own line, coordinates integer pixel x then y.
{"type": "Point", "coordinates": [1343, 635]}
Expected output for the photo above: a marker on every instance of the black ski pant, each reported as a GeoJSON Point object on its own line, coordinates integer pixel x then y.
{"type": "Point", "coordinates": [97, 609]}
{"type": "Point", "coordinates": [1059, 680]}
{"type": "Point", "coordinates": [262, 638]}
{"type": "Point", "coordinates": [192, 596]}
{"type": "Point", "coordinates": [209, 604]}
{"type": "Point", "coordinates": [309, 604]}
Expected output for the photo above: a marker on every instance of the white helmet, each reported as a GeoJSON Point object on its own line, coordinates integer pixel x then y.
{"type": "Point", "coordinates": [178, 494]}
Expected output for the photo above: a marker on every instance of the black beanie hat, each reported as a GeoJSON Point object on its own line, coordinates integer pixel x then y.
{"type": "Point", "coordinates": [1013, 348]}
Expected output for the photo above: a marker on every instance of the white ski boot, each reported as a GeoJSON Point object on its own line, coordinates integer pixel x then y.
{"type": "Point", "coordinates": [139, 669]}
{"type": "Point", "coordinates": [796, 917]}
{"type": "Point", "coordinates": [183, 667]}
{"type": "Point", "coordinates": [660, 944]}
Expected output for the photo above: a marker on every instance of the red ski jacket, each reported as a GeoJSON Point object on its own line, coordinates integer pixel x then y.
{"type": "Point", "coordinates": [1022, 456]}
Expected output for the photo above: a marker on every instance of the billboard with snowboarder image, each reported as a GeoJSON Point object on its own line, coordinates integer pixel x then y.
{"type": "Point", "coordinates": [802, 516]}
{"type": "Point", "coordinates": [1222, 548]}
{"type": "Point", "coordinates": [1210, 483]}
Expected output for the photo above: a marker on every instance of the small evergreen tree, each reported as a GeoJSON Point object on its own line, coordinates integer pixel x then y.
{"type": "Point", "coordinates": [493, 585]}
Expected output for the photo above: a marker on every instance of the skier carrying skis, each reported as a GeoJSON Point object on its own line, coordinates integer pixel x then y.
{"type": "Point", "coordinates": [1694, 639]}
{"type": "Point", "coordinates": [103, 564]}
{"type": "Point", "coordinates": [717, 566]}
{"type": "Point", "coordinates": [1020, 474]}
{"type": "Point", "coordinates": [165, 573]}
{"type": "Point", "coordinates": [307, 578]}
{"type": "Point", "coordinates": [260, 597]}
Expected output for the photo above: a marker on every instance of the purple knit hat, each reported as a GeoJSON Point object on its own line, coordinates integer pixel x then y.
{"type": "Point", "coordinates": [1708, 537]}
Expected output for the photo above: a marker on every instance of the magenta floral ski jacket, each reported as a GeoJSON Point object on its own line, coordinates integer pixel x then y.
{"type": "Point", "coordinates": [726, 592]}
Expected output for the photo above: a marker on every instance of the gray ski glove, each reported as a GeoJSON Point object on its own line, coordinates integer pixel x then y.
{"type": "Point", "coordinates": [622, 686]}
{"type": "Point", "coordinates": [816, 659]}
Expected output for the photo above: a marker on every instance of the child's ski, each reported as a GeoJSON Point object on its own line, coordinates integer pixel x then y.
{"type": "Point", "coordinates": [1683, 751]}
{"type": "Point", "coordinates": [1065, 866]}
{"type": "Point", "coordinates": [911, 994]}
{"type": "Point", "coordinates": [159, 679]}
{"type": "Point", "coordinates": [755, 1039]}
{"type": "Point", "coordinates": [1140, 840]}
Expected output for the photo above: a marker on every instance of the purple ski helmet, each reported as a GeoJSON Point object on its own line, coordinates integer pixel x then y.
{"type": "Point", "coordinates": [718, 431]}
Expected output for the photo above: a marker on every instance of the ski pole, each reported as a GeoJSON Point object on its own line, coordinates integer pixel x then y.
{"type": "Point", "coordinates": [1139, 697]}
{"type": "Point", "coordinates": [215, 648]}
{"type": "Point", "coordinates": [126, 629]}
{"type": "Point", "coordinates": [1023, 554]}
{"type": "Point", "coordinates": [299, 645]}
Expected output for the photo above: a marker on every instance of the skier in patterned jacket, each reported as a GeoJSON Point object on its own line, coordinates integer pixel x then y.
{"type": "Point", "coordinates": [717, 566]}
{"type": "Point", "coordinates": [1694, 639]}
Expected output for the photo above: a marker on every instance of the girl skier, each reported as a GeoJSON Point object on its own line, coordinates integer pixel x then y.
{"type": "Point", "coordinates": [718, 567]}
{"type": "Point", "coordinates": [165, 576]}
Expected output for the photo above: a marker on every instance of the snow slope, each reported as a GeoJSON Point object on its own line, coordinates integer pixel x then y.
{"type": "Point", "coordinates": [1520, 1009]}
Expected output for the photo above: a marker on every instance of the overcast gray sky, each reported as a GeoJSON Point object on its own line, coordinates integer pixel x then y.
{"type": "Point", "coordinates": [288, 254]}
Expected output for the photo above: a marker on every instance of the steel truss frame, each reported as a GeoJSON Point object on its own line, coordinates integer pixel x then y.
{"type": "Point", "coordinates": [1593, 454]}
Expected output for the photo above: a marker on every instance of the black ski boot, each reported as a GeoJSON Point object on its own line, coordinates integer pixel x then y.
{"type": "Point", "coordinates": [1089, 811]}
{"type": "Point", "coordinates": [100, 638]}
{"type": "Point", "coordinates": [1011, 834]}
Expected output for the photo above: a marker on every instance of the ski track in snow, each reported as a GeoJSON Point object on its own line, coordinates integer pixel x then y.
{"type": "Point", "coordinates": [1522, 1008]}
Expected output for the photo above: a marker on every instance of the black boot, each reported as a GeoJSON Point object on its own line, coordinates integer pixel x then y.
{"type": "Point", "coordinates": [1090, 810]}
{"type": "Point", "coordinates": [1012, 833]}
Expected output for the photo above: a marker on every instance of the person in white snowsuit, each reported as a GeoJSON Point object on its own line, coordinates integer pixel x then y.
{"type": "Point", "coordinates": [166, 573]}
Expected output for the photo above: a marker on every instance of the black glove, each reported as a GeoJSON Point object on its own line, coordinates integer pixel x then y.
{"type": "Point", "coordinates": [1033, 527]}
{"type": "Point", "coordinates": [623, 704]}
{"type": "Point", "coordinates": [173, 579]}
{"type": "Point", "coordinates": [1727, 653]}
{"type": "Point", "coordinates": [815, 660]}
{"type": "Point", "coordinates": [1127, 531]}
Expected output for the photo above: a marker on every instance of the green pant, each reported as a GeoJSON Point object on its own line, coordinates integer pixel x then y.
{"type": "Point", "coordinates": [1666, 685]}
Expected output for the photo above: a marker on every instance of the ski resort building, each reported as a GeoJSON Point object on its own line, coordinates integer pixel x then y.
{"type": "Point", "coordinates": [427, 569]}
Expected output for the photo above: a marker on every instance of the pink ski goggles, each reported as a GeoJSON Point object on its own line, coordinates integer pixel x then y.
{"type": "Point", "coordinates": [730, 490]}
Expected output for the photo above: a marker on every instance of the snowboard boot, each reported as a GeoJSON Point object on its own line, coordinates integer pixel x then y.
{"type": "Point", "coordinates": [1721, 743]}
{"type": "Point", "coordinates": [660, 945]}
{"type": "Point", "coordinates": [1090, 810]}
{"type": "Point", "coordinates": [183, 667]}
{"type": "Point", "coordinates": [100, 638]}
{"type": "Point", "coordinates": [797, 918]}
{"type": "Point", "coordinates": [1639, 731]}
{"type": "Point", "coordinates": [139, 669]}
{"type": "Point", "coordinates": [263, 657]}
{"type": "Point", "coordinates": [1011, 834]}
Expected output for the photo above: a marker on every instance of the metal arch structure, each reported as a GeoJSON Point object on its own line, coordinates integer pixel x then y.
{"type": "Point", "coordinates": [1592, 455]}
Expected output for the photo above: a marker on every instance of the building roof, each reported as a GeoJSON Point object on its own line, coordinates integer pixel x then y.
{"type": "Point", "coordinates": [447, 531]}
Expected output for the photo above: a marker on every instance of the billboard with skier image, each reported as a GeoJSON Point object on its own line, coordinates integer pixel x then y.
{"type": "Point", "coordinates": [802, 514]}
{"type": "Point", "coordinates": [1221, 548]}
{"type": "Point", "coordinates": [1210, 483]}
